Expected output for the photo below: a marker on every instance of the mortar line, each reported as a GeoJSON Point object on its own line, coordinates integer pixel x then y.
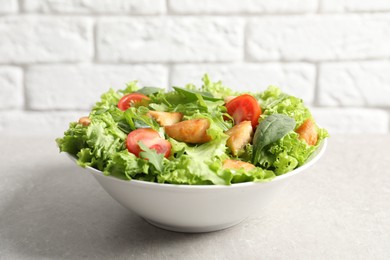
{"type": "Point", "coordinates": [319, 7]}
{"type": "Point", "coordinates": [56, 110]}
{"type": "Point", "coordinates": [245, 55]}
{"type": "Point", "coordinates": [24, 69]}
{"type": "Point", "coordinates": [21, 8]}
{"type": "Point", "coordinates": [94, 44]}
{"type": "Point", "coordinates": [232, 62]}
{"type": "Point", "coordinates": [388, 119]}
{"type": "Point", "coordinates": [168, 13]}
{"type": "Point", "coordinates": [316, 101]}
{"type": "Point", "coordinates": [170, 75]}
{"type": "Point", "coordinates": [167, 8]}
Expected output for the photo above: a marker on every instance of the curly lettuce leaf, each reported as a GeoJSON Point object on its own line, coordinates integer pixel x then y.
{"type": "Point", "coordinates": [274, 101]}
{"type": "Point", "coordinates": [254, 175]}
{"type": "Point", "coordinates": [74, 139]}
{"type": "Point", "coordinates": [126, 166]}
{"type": "Point", "coordinates": [288, 153]}
{"type": "Point", "coordinates": [102, 144]}
{"type": "Point", "coordinates": [194, 164]}
{"type": "Point", "coordinates": [107, 101]}
{"type": "Point", "coordinates": [217, 89]}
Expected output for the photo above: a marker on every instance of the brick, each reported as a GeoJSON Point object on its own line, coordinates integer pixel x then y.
{"type": "Point", "coordinates": [8, 6]}
{"type": "Point", "coordinates": [355, 84]}
{"type": "Point", "coordinates": [296, 79]}
{"type": "Point", "coordinates": [80, 86]}
{"type": "Point", "coordinates": [170, 39]}
{"type": "Point", "coordinates": [319, 38]}
{"type": "Point", "coordinates": [243, 6]}
{"type": "Point", "coordinates": [29, 39]}
{"type": "Point", "coordinates": [352, 120]}
{"type": "Point", "coordinates": [96, 6]}
{"type": "Point", "coordinates": [355, 5]}
{"type": "Point", "coordinates": [32, 123]}
{"type": "Point", "coordinates": [11, 87]}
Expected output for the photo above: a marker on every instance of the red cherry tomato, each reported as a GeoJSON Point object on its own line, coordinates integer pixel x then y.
{"type": "Point", "coordinates": [131, 100]}
{"type": "Point", "coordinates": [150, 138]}
{"type": "Point", "coordinates": [244, 108]}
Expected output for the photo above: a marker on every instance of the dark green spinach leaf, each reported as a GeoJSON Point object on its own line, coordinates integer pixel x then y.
{"type": "Point", "coordinates": [149, 90]}
{"type": "Point", "coordinates": [270, 130]}
{"type": "Point", "coordinates": [192, 94]}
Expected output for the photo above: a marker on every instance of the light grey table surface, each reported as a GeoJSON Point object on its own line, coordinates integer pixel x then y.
{"type": "Point", "coordinates": [340, 209]}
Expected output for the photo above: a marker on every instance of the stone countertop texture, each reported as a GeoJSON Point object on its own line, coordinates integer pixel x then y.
{"type": "Point", "coordinates": [340, 209]}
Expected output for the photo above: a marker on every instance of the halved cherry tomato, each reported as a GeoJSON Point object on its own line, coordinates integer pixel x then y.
{"type": "Point", "coordinates": [244, 108]}
{"type": "Point", "coordinates": [308, 132]}
{"type": "Point", "coordinates": [131, 100]}
{"type": "Point", "coordinates": [150, 138]}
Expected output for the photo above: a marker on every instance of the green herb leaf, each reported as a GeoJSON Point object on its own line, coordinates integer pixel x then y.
{"type": "Point", "coordinates": [191, 94]}
{"type": "Point", "coordinates": [270, 130]}
{"type": "Point", "coordinates": [124, 127]}
{"type": "Point", "coordinates": [156, 159]}
{"type": "Point", "coordinates": [137, 118]}
{"type": "Point", "coordinates": [149, 90]}
{"type": "Point", "coordinates": [217, 89]}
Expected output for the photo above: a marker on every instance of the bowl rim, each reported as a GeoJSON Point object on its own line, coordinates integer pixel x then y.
{"type": "Point", "coordinates": [312, 160]}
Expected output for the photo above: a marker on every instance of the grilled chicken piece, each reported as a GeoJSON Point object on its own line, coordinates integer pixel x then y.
{"type": "Point", "coordinates": [166, 118]}
{"type": "Point", "coordinates": [308, 132]}
{"type": "Point", "coordinates": [240, 135]}
{"type": "Point", "coordinates": [190, 131]}
{"type": "Point", "coordinates": [235, 164]}
{"type": "Point", "coordinates": [85, 121]}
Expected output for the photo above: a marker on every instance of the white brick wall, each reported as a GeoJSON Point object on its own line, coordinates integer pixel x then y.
{"type": "Point", "coordinates": [355, 84]}
{"type": "Point", "coordinates": [81, 85]}
{"type": "Point", "coordinates": [319, 38]}
{"type": "Point", "coordinates": [295, 78]}
{"type": "Point", "coordinates": [242, 6]}
{"type": "Point", "coordinates": [58, 56]}
{"type": "Point", "coordinates": [11, 88]}
{"type": "Point", "coordinates": [95, 6]}
{"type": "Point", "coordinates": [355, 5]}
{"type": "Point", "coordinates": [8, 6]}
{"type": "Point", "coordinates": [31, 123]}
{"type": "Point", "coordinates": [170, 39]}
{"type": "Point", "coordinates": [32, 39]}
{"type": "Point", "coordinates": [353, 120]}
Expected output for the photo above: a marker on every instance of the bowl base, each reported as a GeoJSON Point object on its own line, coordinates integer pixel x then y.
{"type": "Point", "coordinates": [191, 229]}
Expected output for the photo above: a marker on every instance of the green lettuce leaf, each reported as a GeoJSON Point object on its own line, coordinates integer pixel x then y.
{"type": "Point", "coordinates": [101, 144]}
{"type": "Point", "coordinates": [127, 166]}
{"type": "Point", "coordinates": [194, 164]}
{"type": "Point", "coordinates": [273, 101]}
{"type": "Point", "coordinates": [217, 89]}
{"type": "Point", "coordinates": [74, 139]}
{"type": "Point", "coordinates": [154, 158]}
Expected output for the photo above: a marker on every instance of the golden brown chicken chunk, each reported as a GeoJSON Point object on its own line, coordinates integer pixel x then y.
{"type": "Point", "coordinates": [166, 118]}
{"type": "Point", "coordinates": [85, 121]}
{"type": "Point", "coordinates": [192, 131]}
{"type": "Point", "coordinates": [308, 132]}
{"type": "Point", "coordinates": [235, 164]}
{"type": "Point", "coordinates": [240, 135]}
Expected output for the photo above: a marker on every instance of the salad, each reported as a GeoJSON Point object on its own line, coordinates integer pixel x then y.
{"type": "Point", "coordinates": [211, 135]}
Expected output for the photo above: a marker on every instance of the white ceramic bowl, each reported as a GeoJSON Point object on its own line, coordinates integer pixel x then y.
{"type": "Point", "coordinates": [196, 208]}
